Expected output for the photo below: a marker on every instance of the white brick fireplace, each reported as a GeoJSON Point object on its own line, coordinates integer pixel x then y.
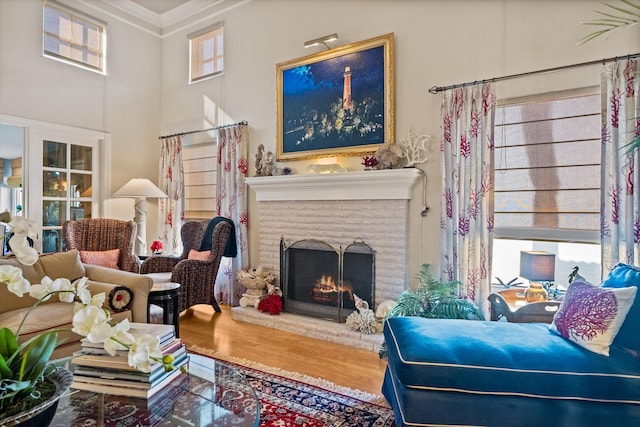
{"type": "Point", "coordinates": [339, 208]}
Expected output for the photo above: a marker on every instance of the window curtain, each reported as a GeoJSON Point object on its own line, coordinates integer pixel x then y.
{"type": "Point", "coordinates": [467, 162]}
{"type": "Point", "coordinates": [232, 203]}
{"type": "Point", "coordinates": [620, 198]}
{"type": "Point", "coordinates": [171, 181]}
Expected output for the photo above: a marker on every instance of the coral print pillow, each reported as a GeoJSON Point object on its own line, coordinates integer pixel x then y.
{"type": "Point", "coordinates": [591, 316]}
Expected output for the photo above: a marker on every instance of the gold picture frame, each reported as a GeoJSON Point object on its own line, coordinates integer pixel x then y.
{"type": "Point", "coordinates": [336, 103]}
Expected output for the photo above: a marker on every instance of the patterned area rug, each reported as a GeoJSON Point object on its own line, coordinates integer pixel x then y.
{"type": "Point", "coordinates": [289, 399]}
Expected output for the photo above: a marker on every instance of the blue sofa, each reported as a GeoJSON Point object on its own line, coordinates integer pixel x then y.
{"type": "Point", "coordinates": [481, 373]}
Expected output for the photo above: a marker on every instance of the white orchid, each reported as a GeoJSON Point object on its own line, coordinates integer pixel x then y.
{"type": "Point", "coordinates": [120, 338]}
{"type": "Point", "coordinates": [22, 228]}
{"type": "Point", "coordinates": [146, 348]}
{"type": "Point", "coordinates": [82, 290]}
{"type": "Point", "coordinates": [12, 276]}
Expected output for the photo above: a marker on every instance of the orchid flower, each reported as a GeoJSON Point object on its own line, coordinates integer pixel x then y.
{"type": "Point", "coordinates": [12, 276]}
{"type": "Point", "coordinates": [92, 322]}
{"type": "Point", "coordinates": [23, 228]}
{"type": "Point", "coordinates": [120, 338]}
{"type": "Point", "coordinates": [144, 349]}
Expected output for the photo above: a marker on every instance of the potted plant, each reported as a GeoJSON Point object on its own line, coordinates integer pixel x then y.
{"type": "Point", "coordinates": [30, 382]}
{"type": "Point", "coordinates": [432, 299]}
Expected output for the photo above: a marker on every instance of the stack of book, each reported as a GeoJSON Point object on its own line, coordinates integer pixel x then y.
{"type": "Point", "coordinates": [96, 370]}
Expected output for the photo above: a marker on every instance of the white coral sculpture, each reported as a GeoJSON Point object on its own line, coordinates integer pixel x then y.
{"type": "Point", "coordinates": [416, 149]}
{"type": "Point", "coordinates": [363, 320]}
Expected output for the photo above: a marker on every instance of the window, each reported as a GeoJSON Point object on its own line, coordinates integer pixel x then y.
{"type": "Point", "coordinates": [547, 183]}
{"type": "Point", "coordinates": [73, 38]}
{"type": "Point", "coordinates": [206, 53]}
{"type": "Point", "coordinates": [199, 163]}
{"type": "Point", "coordinates": [547, 168]}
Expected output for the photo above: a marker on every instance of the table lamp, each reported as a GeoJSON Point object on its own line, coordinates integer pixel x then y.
{"type": "Point", "coordinates": [537, 266]}
{"type": "Point", "coordinates": [140, 189]}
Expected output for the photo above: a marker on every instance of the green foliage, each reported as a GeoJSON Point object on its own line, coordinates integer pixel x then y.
{"type": "Point", "coordinates": [616, 18]}
{"type": "Point", "coordinates": [434, 300]}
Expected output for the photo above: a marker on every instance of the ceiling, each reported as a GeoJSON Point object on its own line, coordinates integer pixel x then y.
{"type": "Point", "coordinates": [159, 6]}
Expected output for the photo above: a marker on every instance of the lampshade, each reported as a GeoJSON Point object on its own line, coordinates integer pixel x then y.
{"type": "Point", "coordinates": [139, 187]}
{"type": "Point", "coordinates": [537, 266]}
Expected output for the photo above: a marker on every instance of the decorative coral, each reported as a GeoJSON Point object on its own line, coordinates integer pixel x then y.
{"type": "Point", "coordinates": [369, 162]}
{"type": "Point", "coordinates": [415, 149]}
{"type": "Point", "coordinates": [271, 304]}
{"type": "Point", "coordinates": [362, 320]}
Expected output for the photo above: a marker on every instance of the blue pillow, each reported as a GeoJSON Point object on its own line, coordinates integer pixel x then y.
{"type": "Point", "coordinates": [628, 338]}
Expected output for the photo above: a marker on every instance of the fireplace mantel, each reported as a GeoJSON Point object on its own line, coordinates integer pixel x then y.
{"type": "Point", "coordinates": [387, 184]}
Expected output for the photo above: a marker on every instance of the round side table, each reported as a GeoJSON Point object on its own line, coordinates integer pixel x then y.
{"type": "Point", "coordinates": [166, 295]}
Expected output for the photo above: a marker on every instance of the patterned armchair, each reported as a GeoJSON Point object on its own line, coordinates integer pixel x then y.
{"type": "Point", "coordinates": [196, 277]}
{"type": "Point", "coordinates": [103, 234]}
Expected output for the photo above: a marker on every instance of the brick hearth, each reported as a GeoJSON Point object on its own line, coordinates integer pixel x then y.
{"type": "Point", "coordinates": [338, 209]}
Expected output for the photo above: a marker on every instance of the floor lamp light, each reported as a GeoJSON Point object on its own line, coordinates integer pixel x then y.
{"type": "Point", "coordinates": [140, 189]}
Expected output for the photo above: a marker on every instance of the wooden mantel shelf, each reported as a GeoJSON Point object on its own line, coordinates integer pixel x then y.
{"type": "Point", "coordinates": [387, 184]}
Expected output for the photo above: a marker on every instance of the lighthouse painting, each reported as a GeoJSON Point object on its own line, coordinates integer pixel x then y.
{"type": "Point", "coordinates": [338, 102]}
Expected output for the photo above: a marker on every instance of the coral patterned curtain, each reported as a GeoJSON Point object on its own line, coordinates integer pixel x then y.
{"type": "Point", "coordinates": [171, 181]}
{"type": "Point", "coordinates": [232, 170]}
{"type": "Point", "coordinates": [620, 198]}
{"type": "Point", "coordinates": [467, 161]}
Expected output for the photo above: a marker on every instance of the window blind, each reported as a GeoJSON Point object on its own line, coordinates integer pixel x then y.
{"type": "Point", "coordinates": [200, 166]}
{"type": "Point", "coordinates": [547, 168]}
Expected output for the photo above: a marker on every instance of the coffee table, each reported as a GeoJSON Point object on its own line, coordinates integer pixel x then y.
{"type": "Point", "coordinates": [211, 394]}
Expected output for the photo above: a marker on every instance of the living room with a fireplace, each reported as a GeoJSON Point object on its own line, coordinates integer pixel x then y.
{"type": "Point", "coordinates": [337, 229]}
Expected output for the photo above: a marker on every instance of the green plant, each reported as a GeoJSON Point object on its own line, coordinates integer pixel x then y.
{"type": "Point", "coordinates": [434, 300]}
{"type": "Point", "coordinates": [616, 19]}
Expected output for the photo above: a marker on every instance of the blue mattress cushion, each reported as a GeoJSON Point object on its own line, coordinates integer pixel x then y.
{"type": "Point", "coordinates": [524, 359]}
{"type": "Point", "coordinates": [628, 338]}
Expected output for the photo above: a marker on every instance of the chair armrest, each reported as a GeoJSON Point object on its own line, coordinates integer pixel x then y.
{"type": "Point", "coordinates": [158, 264]}
{"type": "Point", "coordinates": [139, 285]}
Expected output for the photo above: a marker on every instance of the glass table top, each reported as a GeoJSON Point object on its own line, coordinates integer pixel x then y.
{"type": "Point", "coordinates": [211, 394]}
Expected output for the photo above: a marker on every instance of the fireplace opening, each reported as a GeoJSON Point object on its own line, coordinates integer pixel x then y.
{"type": "Point", "coordinates": [320, 281]}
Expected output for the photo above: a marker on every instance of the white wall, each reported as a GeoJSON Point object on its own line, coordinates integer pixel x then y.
{"type": "Point", "coordinates": [437, 42]}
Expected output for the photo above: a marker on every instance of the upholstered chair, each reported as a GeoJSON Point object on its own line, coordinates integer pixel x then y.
{"type": "Point", "coordinates": [197, 267]}
{"type": "Point", "coordinates": [101, 235]}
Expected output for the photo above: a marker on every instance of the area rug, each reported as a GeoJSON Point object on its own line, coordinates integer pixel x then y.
{"type": "Point", "coordinates": [289, 399]}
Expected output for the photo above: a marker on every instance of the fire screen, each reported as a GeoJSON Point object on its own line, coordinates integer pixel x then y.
{"type": "Point", "coordinates": [320, 281]}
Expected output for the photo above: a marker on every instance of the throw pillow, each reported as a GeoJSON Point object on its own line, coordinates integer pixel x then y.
{"type": "Point", "coordinates": [62, 264]}
{"type": "Point", "coordinates": [102, 258]}
{"type": "Point", "coordinates": [591, 316]}
{"type": "Point", "coordinates": [621, 276]}
{"type": "Point", "coordinates": [199, 255]}
{"type": "Point", "coordinates": [120, 299]}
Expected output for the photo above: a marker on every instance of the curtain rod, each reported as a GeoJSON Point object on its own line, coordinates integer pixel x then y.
{"type": "Point", "coordinates": [242, 123]}
{"type": "Point", "coordinates": [436, 89]}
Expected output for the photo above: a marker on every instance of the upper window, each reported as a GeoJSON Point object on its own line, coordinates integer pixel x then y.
{"type": "Point", "coordinates": [73, 38]}
{"type": "Point", "coordinates": [547, 168]}
{"type": "Point", "coordinates": [206, 53]}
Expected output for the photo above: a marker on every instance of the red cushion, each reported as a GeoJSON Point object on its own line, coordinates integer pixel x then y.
{"type": "Point", "coordinates": [102, 258]}
{"type": "Point", "coordinates": [199, 255]}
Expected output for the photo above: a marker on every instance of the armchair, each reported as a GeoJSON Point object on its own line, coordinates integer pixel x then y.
{"type": "Point", "coordinates": [196, 277]}
{"type": "Point", "coordinates": [103, 234]}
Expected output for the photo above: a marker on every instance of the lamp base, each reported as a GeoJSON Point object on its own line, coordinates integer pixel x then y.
{"type": "Point", "coordinates": [535, 292]}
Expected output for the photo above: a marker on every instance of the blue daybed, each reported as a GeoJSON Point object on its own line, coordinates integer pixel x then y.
{"type": "Point", "coordinates": [481, 373]}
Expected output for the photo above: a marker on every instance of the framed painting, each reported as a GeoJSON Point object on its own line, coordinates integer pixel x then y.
{"type": "Point", "coordinates": [336, 103]}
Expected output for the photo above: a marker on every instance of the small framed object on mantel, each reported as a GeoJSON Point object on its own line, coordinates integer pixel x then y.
{"type": "Point", "coordinates": [336, 103]}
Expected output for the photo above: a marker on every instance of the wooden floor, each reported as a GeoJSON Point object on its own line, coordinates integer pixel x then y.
{"type": "Point", "coordinates": [346, 366]}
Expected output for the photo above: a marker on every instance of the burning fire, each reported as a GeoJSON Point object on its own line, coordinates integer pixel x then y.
{"type": "Point", "coordinates": [327, 290]}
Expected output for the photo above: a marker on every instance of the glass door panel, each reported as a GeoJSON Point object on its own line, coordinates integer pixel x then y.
{"type": "Point", "coordinates": [54, 155]}
{"type": "Point", "coordinates": [81, 157]}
